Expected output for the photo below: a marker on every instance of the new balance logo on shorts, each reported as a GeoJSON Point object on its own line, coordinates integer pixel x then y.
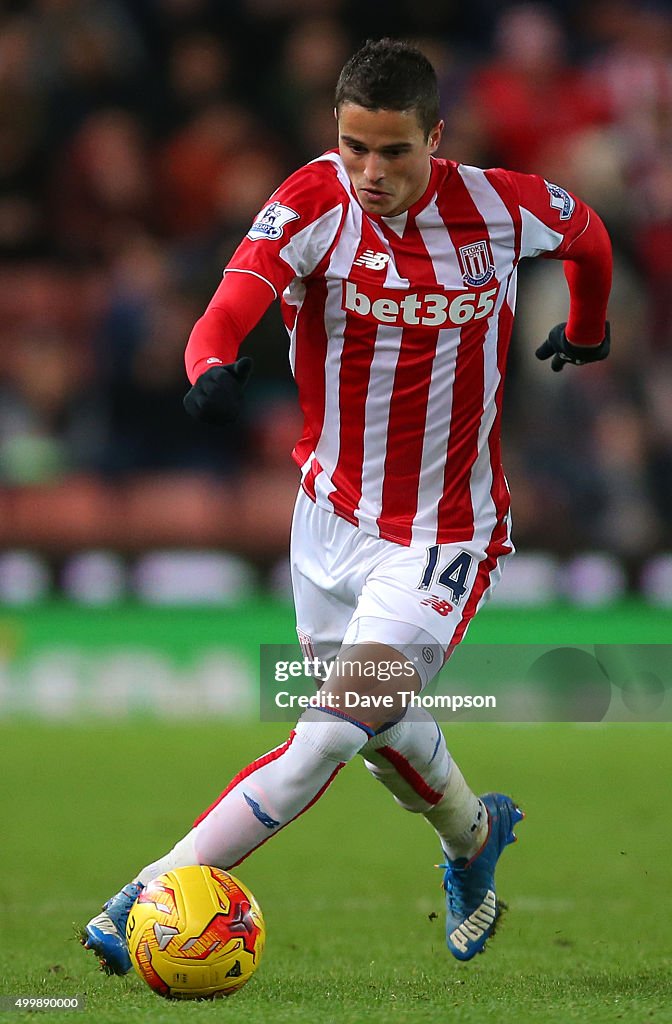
{"type": "Point", "coordinates": [438, 604]}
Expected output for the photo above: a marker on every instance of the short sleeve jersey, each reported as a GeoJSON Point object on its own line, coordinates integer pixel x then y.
{"type": "Point", "coordinates": [399, 330]}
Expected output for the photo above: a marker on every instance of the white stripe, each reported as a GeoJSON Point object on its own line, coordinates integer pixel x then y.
{"type": "Point", "coordinates": [536, 237]}
{"type": "Point", "coordinates": [308, 246]}
{"type": "Point", "coordinates": [398, 223]}
{"type": "Point", "coordinates": [378, 402]}
{"type": "Point", "coordinates": [440, 247]}
{"type": "Point", "coordinates": [294, 295]}
{"type": "Point", "coordinates": [377, 415]}
{"type": "Point", "coordinates": [512, 291]}
{"type": "Point", "coordinates": [328, 444]}
{"type": "Point", "coordinates": [498, 219]}
{"type": "Point", "coordinates": [440, 396]}
{"type": "Point", "coordinates": [496, 215]}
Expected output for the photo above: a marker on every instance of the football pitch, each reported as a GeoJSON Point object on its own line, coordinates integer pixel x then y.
{"type": "Point", "coordinates": [353, 904]}
{"type": "Point", "coordinates": [352, 901]}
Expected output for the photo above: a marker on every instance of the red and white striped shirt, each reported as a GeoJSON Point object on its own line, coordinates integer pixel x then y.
{"type": "Point", "coordinates": [399, 330]}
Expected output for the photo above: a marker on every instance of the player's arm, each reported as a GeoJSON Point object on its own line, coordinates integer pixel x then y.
{"type": "Point", "coordinates": [558, 225]}
{"type": "Point", "coordinates": [217, 376]}
{"type": "Point", "coordinates": [288, 239]}
{"type": "Point", "coordinates": [587, 263]}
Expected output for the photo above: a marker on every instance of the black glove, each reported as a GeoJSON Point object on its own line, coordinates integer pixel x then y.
{"type": "Point", "coordinates": [217, 395]}
{"type": "Point", "coordinates": [563, 351]}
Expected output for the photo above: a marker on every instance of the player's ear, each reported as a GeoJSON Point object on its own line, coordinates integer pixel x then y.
{"type": "Point", "coordinates": [435, 136]}
{"type": "Point", "coordinates": [336, 113]}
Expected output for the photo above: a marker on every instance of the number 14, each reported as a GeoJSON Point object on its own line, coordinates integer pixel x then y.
{"type": "Point", "coordinates": [453, 576]}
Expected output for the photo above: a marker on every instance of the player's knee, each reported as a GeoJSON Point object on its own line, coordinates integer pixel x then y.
{"type": "Point", "coordinates": [371, 681]}
{"type": "Point", "coordinates": [411, 759]}
{"type": "Point", "coordinates": [331, 737]}
{"type": "Point", "coordinates": [418, 739]}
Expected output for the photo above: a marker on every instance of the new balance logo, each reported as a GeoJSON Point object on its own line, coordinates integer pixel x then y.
{"type": "Point", "coordinates": [477, 924]}
{"type": "Point", "coordinates": [373, 260]}
{"type": "Point", "coordinates": [438, 604]}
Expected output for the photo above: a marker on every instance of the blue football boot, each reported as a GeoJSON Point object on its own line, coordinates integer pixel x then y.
{"type": "Point", "coordinates": [106, 933]}
{"type": "Point", "coordinates": [472, 908]}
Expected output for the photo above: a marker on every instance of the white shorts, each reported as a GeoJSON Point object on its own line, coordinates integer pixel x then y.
{"type": "Point", "coordinates": [350, 587]}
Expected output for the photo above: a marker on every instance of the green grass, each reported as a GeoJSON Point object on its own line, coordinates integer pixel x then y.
{"type": "Point", "coordinates": [180, 630]}
{"type": "Point", "coordinates": [349, 889]}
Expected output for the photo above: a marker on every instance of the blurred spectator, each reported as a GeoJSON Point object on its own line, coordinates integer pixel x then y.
{"type": "Point", "coordinates": [89, 55]}
{"type": "Point", "coordinates": [48, 421]}
{"type": "Point", "coordinates": [635, 74]}
{"type": "Point", "coordinates": [300, 90]}
{"type": "Point", "coordinates": [198, 74]}
{"type": "Point", "coordinates": [528, 99]}
{"type": "Point", "coordinates": [193, 166]}
{"type": "Point", "coordinates": [101, 184]}
{"type": "Point", "coordinates": [139, 368]}
{"type": "Point", "coordinates": [139, 139]}
{"type": "Point", "coordinates": [22, 156]}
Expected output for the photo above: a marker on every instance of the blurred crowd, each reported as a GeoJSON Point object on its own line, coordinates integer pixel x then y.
{"type": "Point", "coordinates": [137, 141]}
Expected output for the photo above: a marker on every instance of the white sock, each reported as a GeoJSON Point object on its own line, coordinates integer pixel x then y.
{"type": "Point", "coordinates": [181, 856]}
{"type": "Point", "coordinates": [460, 818]}
{"type": "Point", "coordinates": [268, 794]}
{"type": "Point", "coordinates": [412, 761]}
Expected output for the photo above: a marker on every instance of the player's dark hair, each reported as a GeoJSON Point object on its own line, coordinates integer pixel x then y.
{"type": "Point", "coordinates": [388, 74]}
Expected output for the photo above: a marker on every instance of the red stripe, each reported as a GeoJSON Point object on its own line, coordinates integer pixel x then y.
{"type": "Point", "coordinates": [353, 387]}
{"type": "Point", "coordinates": [455, 516]}
{"type": "Point", "coordinates": [359, 342]}
{"type": "Point", "coordinates": [410, 393]}
{"type": "Point", "coordinates": [498, 546]}
{"type": "Point", "coordinates": [308, 482]}
{"type": "Point", "coordinates": [309, 358]}
{"type": "Point", "coordinates": [303, 811]}
{"type": "Point", "coordinates": [410, 775]}
{"type": "Point", "coordinates": [504, 190]}
{"type": "Point", "coordinates": [272, 755]}
{"type": "Point", "coordinates": [311, 341]}
{"type": "Point", "coordinates": [499, 490]}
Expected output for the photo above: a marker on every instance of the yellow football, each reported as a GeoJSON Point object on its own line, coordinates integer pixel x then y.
{"type": "Point", "coordinates": [195, 933]}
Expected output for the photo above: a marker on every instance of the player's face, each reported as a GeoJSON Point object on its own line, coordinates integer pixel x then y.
{"type": "Point", "coordinates": [386, 154]}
